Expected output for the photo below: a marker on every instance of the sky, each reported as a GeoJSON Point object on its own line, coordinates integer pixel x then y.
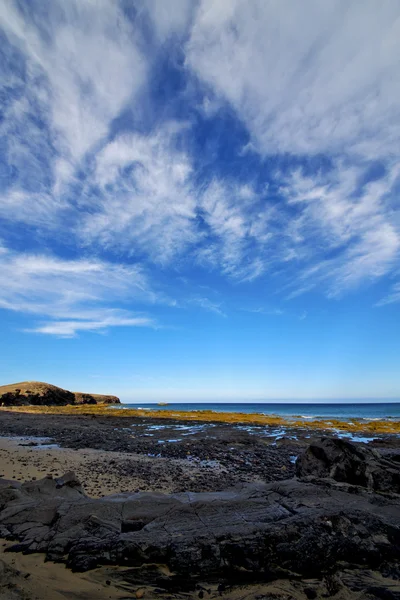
{"type": "Point", "coordinates": [200, 200]}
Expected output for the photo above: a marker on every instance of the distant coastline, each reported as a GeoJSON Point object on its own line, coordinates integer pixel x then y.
{"type": "Point", "coordinates": [306, 410]}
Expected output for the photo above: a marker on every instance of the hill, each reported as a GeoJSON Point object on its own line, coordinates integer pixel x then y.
{"type": "Point", "coordinates": [44, 394]}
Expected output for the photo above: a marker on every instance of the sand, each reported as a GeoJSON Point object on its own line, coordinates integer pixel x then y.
{"type": "Point", "coordinates": [101, 472]}
{"type": "Point", "coordinates": [26, 577]}
{"type": "Point", "coordinates": [23, 462]}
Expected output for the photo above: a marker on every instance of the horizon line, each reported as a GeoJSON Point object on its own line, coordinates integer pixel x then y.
{"type": "Point", "coordinates": [294, 401]}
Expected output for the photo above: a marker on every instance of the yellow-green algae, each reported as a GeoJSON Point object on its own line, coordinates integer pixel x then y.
{"type": "Point", "coordinates": [354, 426]}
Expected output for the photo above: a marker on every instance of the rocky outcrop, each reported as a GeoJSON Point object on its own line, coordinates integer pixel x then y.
{"type": "Point", "coordinates": [82, 398]}
{"type": "Point", "coordinates": [44, 394]}
{"type": "Point", "coordinates": [290, 529]}
{"type": "Point", "coordinates": [349, 463]}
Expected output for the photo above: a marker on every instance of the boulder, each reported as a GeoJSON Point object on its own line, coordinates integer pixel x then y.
{"type": "Point", "coordinates": [355, 464]}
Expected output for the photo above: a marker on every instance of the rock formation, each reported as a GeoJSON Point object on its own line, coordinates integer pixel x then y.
{"type": "Point", "coordinates": [353, 464]}
{"type": "Point", "coordinates": [293, 529]}
{"type": "Point", "coordinates": [45, 394]}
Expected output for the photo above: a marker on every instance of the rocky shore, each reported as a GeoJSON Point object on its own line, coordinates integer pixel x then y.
{"type": "Point", "coordinates": [147, 453]}
{"type": "Point", "coordinates": [332, 530]}
{"type": "Point", "coordinates": [174, 508]}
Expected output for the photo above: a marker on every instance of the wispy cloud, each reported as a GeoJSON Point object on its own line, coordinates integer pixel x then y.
{"type": "Point", "coordinates": [392, 297]}
{"type": "Point", "coordinates": [104, 112]}
{"type": "Point", "coordinates": [318, 81]}
{"type": "Point", "coordinates": [261, 310]}
{"type": "Point", "coordinates": [322, 77]}
{"type": "Point", "coordinates": [72, 67]}
{"type": "Point", "coordinates": [74, 295]}
{"type": "Point", "coordinates": [208, 305]}
{"type": "Point", "coordinates": [168, 19]}
{"type": "Point", "coordinates": [68, 329]}
{"type": "Point", "coordinates": [145, 198]}
{"type": "Point", "coordinates": [237, 229]}
{"type": "Point", "coordinates": [339, 213]}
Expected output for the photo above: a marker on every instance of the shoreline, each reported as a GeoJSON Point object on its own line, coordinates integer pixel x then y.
{"type": "Point", "coordinates": [146, 454]}
{"type": "Point", "coordinates": [353, 425]}
{"type": "Point", "coordinates": [113, 450]}
{"type": "Point", "coordinates": [127, 460]}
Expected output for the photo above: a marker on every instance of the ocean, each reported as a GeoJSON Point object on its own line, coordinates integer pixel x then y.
{"type": "Point", "coordinates": [370, 410]}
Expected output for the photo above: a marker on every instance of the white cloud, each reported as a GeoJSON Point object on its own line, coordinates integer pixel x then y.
{"type": "Point", "coordinates": [74, 295]}
{"type": "Point", "coordinates": [168, 18]}
{"type": "Point", "coordinates": [208, 305]}
{"type": "Point", "coordinates": [68, 329]}
{"type": "Point", "coordinates": [321, 77]}
{"type": "Point", "coordinates": [261, 310]}
{"type": "Point", "coordinates": [337, 213]}
{"type": "Point", "coordinates": [32, 208]}
{"type": "Point", "coordinates": [238, 229]}
{"type": "Point", "coordinates": [275, 67]}
{"type": "Point", "coordinates": [392, 297]}
{"type": "Point", "coordinates": [306, 78]}
{"type": "Point", "coordinates": [146, 201]}
{"type": "Point", "coordinates": [79, 67]}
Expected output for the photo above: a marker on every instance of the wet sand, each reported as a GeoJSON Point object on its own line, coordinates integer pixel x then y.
{"type": "Point", "coordinates": [103, 473]}
{"type": "Point", "coordinates": [29, 577]}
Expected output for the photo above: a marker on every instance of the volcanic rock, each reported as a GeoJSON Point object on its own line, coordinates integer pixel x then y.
{"type": "Point", "coordinates": [257, 532]}
{"type": "Point", "coordinates": [350, 463]}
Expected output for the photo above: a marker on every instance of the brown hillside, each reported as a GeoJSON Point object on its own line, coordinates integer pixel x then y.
{"type": "Point", "coordinates": [84, 398]}
{"type": "Point", "coordinates": [39, 393]}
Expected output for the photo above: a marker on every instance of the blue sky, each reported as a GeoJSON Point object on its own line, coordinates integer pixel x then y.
{"type": "Point", "coordinates": [199, 200]}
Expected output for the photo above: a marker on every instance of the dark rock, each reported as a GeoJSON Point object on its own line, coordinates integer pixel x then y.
{"type": "Point", "coordinates": [349, 463]}
{"type": "Point", "coordinates": [68, 479]}
{"type": "Point", "coordinates": [264, 531]}
{"type": "Point", "coordinates": [315, 531]}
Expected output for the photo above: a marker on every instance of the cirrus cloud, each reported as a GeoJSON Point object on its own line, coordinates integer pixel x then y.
{"type": "Point", "coordinates": [105, 109]}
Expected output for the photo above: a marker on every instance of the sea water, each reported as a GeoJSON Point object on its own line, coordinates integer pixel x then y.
{"type": "Point", "coordinates": [309, 410]}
